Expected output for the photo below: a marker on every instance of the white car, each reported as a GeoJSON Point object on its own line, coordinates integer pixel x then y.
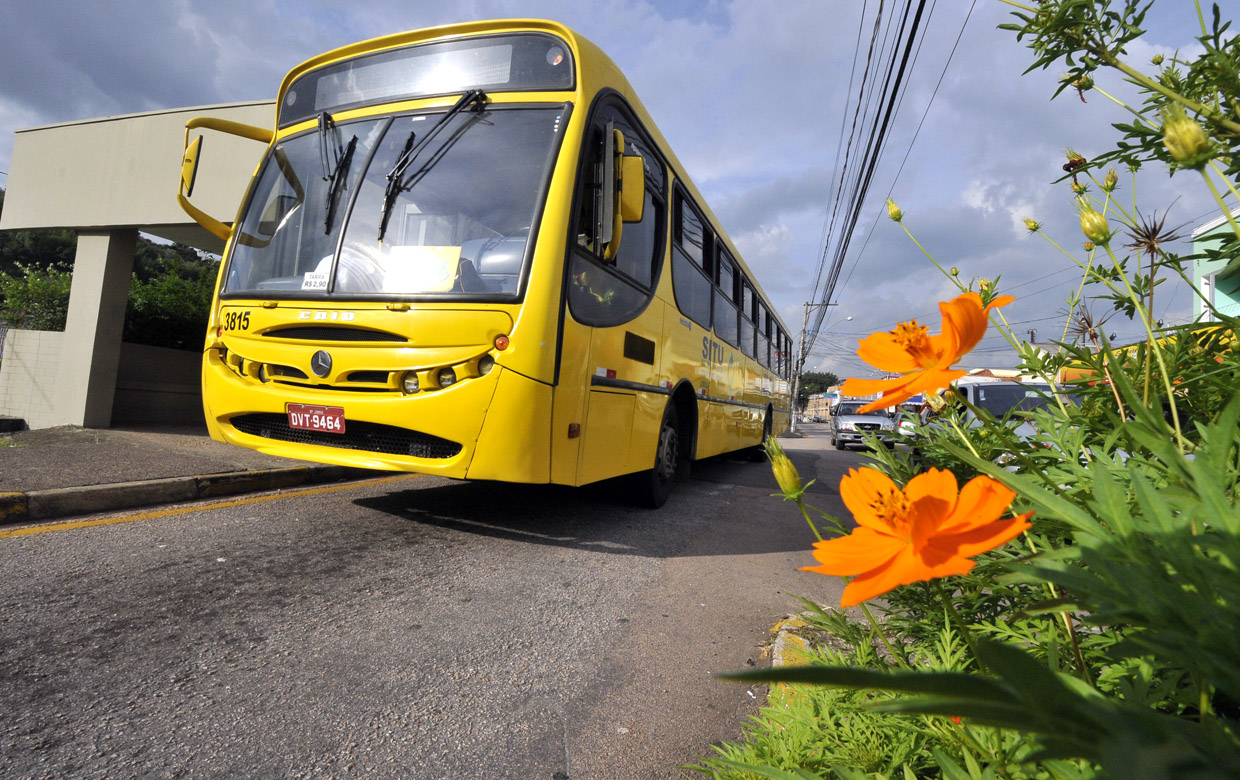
{"type": "Point", "coordinates": [849, 426]}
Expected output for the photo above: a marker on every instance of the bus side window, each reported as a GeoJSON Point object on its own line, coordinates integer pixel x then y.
{"type": "Point", "coordinates": [690, 282]}
{"type": "Point", "coordinates": [747, 314]}
{"type": "Point", "coordinates": [725, 298]}
{"type": "Point", "coordinates": [602, 293]}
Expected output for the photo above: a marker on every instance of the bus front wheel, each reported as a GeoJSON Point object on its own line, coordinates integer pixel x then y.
{"type": "Point", "coordinates": [654, 486]}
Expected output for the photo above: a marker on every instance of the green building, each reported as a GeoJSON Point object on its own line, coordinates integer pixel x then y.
{"type": "Point", "coordinates": [1218, 284]}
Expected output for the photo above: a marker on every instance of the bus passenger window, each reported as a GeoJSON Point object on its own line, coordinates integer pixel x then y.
{"type": "Point", "coordinates": [602, 293]}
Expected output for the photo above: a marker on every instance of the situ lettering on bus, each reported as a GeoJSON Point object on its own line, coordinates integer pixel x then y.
{"type": "Point", "coordinates": [330, 316]}
{"type": "Point", "coordinates": [712, 351]}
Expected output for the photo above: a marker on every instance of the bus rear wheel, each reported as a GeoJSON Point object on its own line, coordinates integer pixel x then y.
{"type": "Point", "coordinates": [654, 486]}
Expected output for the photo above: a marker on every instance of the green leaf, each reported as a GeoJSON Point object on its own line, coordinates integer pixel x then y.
{"type": "Point", "coordinates": [940, 683]}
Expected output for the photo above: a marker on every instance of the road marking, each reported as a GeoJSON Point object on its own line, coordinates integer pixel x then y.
{"type": "Point", "coordinates": [75, 524]}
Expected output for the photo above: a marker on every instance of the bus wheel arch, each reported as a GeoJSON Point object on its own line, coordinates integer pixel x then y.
{"type": "Point", "coordinates": [757, 453]}
{"type": "Point", "coordinates": [673, 449]}
{"type": "Point", "coordinates": [685, 402]}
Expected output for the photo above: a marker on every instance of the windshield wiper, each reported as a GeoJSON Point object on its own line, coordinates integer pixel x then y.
{"type": "Point", "coordinates": [396, 182]}
{"type": "Point", "coordinates": [340, 169]}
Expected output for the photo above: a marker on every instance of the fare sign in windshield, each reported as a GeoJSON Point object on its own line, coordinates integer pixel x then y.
{"type": "Point", "coordinates": [306, 417]}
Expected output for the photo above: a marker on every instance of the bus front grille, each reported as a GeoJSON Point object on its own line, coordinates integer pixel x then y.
{"type": "Point", "coordinates": [334, 333]}
{"type": "Point", "coordinates": [365, 436]}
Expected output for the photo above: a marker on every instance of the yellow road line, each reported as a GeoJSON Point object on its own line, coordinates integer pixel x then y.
{"type": "Point", "coordinates": [75, 524]}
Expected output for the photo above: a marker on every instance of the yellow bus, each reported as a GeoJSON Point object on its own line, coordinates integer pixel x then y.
{"type": "Point", "coordinates": [468, 251]}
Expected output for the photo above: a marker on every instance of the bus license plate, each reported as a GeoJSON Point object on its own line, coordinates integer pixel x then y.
{"type": "Point", "coordinates": [306, 417]}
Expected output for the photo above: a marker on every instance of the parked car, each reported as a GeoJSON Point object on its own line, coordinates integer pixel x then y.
{"type": "Point", "coordinates": [999, 398]}
{"type": "Point", "coordinates": [850, 426]}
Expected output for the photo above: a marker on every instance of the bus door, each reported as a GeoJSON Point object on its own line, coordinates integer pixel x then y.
{"type": "Point", "coordinates": [613, 271]}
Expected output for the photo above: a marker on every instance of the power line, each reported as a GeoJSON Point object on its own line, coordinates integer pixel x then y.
{"type": "Point", "coordinates": [875, 143]}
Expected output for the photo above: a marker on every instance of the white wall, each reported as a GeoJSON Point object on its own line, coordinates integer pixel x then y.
{"type": "Point", "coordinates": [28, 376]}
{"type": "Point", "coordinates": [154, 385]}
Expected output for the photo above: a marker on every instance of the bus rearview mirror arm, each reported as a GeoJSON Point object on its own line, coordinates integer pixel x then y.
{"type": "Point", "coordinates": [190, 160]}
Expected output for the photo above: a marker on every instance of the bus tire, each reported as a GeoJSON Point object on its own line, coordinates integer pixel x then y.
{"type": "Point", "coordinates": [654, 486]}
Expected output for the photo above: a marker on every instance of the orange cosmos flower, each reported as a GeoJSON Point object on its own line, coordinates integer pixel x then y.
{"type": "Point", "coordinates": [924, 362]}
{"type": "Point", "coordinates": [926, 531]}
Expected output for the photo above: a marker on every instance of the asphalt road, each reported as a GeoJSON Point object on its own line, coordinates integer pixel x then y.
{"type": "Point", "coordinates": [416, 628]}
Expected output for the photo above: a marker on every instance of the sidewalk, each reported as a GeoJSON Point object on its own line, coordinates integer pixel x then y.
{"type": "Point", "coordinates": [67, 471]}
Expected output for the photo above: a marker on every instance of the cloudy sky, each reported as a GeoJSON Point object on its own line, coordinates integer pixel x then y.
{"type": "Point", "coordinates": [752, 96]}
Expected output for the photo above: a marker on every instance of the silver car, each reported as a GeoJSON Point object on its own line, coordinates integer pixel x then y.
{"type": "Point", "coordinates": [849, 426]}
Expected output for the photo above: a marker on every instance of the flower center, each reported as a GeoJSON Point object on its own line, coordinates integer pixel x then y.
{"type": "Point", "coordinates": [915, 338]}
{"type": "Point", "coordinates": [893, 508]}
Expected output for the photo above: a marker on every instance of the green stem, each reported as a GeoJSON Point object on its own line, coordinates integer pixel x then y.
{"type": "Point", "coordinates": [1067, 622]}
{"type": "Point", "coordinates": [1226, 211]}
{"type": "Point", "coordinates": [900, 659]}
{"type": "Point", "coordinates": [1231, 187]}
{"type": "Point", "coordinates": [942, 270]}
{"type": "Point", "coordinates": [959, 621]}
{"type": "Point", "coordinates": [1146, 82]}
{"type": "Point", "coordinates": [1154, 348]}
{"type": "Point", "coordinates": [812, 527]}
{"type": "Point", "coordinates": [960, 432]}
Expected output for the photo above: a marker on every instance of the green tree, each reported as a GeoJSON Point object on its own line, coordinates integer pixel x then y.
{"type": "Point", "coordinates": [169, 293]}
{"type": "Point", "coordinates": [812, 383]}
{"type": "Point", "coordinates": [35, 298]}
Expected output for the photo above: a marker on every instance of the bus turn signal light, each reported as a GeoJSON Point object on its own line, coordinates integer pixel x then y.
{"type": "Point", "coordinates": [501, 343]}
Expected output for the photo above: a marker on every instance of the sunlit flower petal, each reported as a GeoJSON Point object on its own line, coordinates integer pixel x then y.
{"type": "Point", "coordinates": [860, 551]}
{"type": "Point", "coordinates": [859, 488]}
{"type": "Point", "coordinates": [924, 362]}
{"type": "Point", "coordinates": [928, 530]}
{"type": "Point", "coordinates": [904, 569]}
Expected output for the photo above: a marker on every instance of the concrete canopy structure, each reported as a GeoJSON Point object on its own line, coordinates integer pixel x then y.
{"type": "Point", "coordinates": [109, 179]}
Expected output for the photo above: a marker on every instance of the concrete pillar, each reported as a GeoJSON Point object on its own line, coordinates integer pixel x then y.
{"type": "Point", "coordinates": [92, 345]}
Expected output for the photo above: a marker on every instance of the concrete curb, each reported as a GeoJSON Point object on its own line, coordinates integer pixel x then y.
{"type": "Point", "coordinates": [39, 505]}
{"type": "Point", "coordinates": [789, 649]}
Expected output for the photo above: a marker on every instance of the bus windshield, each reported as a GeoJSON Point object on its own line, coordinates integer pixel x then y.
{"type": "Point", "coordinates": [457, 221]}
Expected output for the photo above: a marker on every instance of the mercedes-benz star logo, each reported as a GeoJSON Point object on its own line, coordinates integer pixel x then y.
{"type": "Point", "coordinates": [321, 363]}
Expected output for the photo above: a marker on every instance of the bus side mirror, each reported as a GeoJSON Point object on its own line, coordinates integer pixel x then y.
{"type": "Point", "coordinates": [189, 167]}
{"type": "Point", "coordinates": [624, 183]}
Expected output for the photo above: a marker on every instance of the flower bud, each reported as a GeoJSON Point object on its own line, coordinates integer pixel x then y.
{"type": "Point", "coordinates": [1157, 59]}
{"type": "Point", "coordinates": [984, 285]}
{"type": "Point", "coordinates": [785, 473]}
{"type": "Point", "coordinates": [1185, 139]}
{"type": "Point", "coordinates": [1089, 246]}
{"type": "Point", "coordinates": [955, 271]}
{"type": "Point", "coordinates": [1032, 225]}
{"type": "Point", "coordinates": [1079, 188]}
{"type": "Point", "coordinates": [1111, 181]}
{"type": "Point", "coordinates": [1093, 225]}
{"type": "Point", "coordinates": [894, 211]}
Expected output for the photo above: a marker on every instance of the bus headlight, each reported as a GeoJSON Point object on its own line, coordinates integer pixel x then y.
{"type": "Point", "coordinates": [485, 364]}
{"type": "Point", "coordinates": [409, 383]}
{"type": "Point", "coordinates": [446, 377]}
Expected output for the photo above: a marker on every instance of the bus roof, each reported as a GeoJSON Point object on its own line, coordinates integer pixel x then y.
{"type": "Point", "coordinates": [595, 70]}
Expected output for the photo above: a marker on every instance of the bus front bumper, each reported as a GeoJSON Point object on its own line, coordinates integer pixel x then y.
{"type": "Point", "coordinates": [430, 432]}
